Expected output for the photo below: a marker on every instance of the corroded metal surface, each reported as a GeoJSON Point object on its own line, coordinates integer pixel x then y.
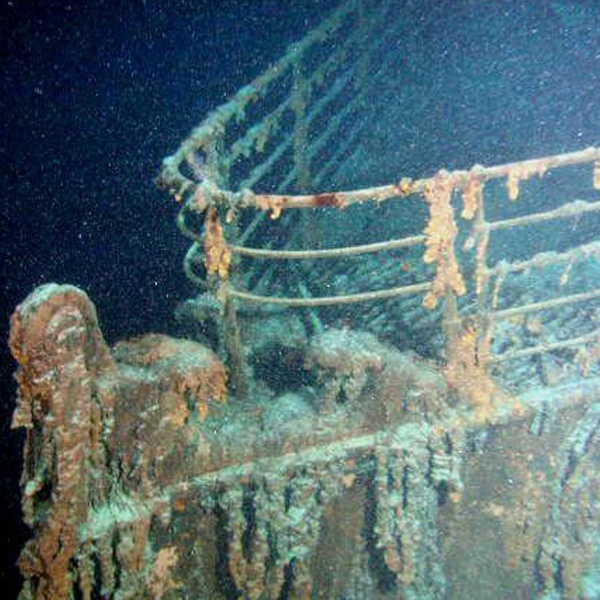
{"type": "Point", "coordinates": [372, 480]}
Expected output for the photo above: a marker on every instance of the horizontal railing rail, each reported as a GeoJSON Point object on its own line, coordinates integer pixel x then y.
{"type": "Point", "coordinates": [293, 141]}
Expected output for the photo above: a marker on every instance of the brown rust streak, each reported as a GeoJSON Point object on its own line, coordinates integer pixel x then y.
{"type": "Point", "coordinates": [336, 200]}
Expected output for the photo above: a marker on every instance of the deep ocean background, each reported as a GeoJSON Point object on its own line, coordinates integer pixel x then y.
{"type": "Point", "coordinates": [95, 93]}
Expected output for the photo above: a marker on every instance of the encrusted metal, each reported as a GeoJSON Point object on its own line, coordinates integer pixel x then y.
{"type": "Point", "coordinates": [414, 416]}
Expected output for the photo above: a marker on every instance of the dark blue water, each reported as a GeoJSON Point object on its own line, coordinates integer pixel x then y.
{"type": "Point", "coordinates": [94, 94]}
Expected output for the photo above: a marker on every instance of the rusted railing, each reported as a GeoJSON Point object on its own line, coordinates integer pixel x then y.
{"type": "Point", "coordinates": [285, 146]}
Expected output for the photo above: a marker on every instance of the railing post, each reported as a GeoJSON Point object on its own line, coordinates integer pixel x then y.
{"type": "Point", "coordinates": [218, 259]}
{"type": "Point", "coordinates": [234, 349]}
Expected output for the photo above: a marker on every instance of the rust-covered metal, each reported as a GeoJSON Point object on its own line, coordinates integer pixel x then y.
{"type": "Point", "coordinates": [372, 480]}
{"type": "Point", "coordinates": [276, 454]}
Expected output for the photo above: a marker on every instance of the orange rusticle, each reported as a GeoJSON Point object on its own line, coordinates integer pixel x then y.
{"type": "Point", "coordinates": [217, 254]}
{"type": "Point", "coordinates": [467, 371]}
{"type": "Point", "coordinates": [480, 255]}
{"type": "Point", "coordinates": [512, 186]}
{"type": "Point", "coordinates": [272, 203]}
{"type": "Point", "coordinates": [440, 232]}
{"type": "Point", "coordinates": [190, 369]}
{"type": "Point", "coordinates": [597, 174]}
{"type": "Point", "coordinates": [522, 173]}
{"type": "Point", "coordinates": [472, 197]}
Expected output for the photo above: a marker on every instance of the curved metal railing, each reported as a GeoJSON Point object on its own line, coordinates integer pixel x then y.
{"type": "Point", "coordinates": [309, 97]}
